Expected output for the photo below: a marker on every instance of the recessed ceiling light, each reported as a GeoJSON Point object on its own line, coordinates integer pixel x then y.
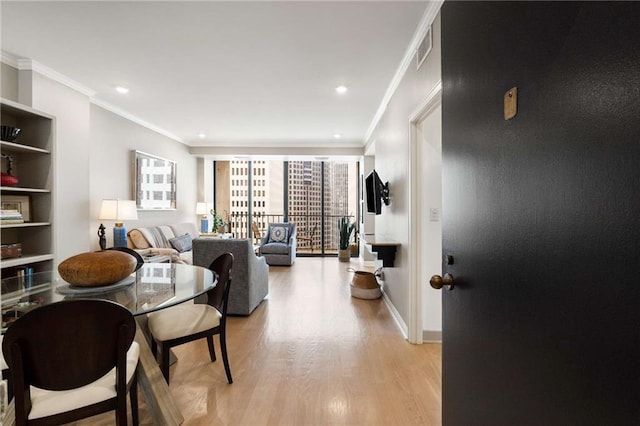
{"type": "Point", "coordinates": [337, 135]}
{"type": "Point", "coordinates": [122, 89]}
{"type": "Point", "coordinates": [202, 135]}
{"type": "Point", "coordinates": [341, 89]}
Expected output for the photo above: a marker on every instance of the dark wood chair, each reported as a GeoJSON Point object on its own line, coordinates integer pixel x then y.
{"type": "Point", "coordinates": [309, 238]}
{"type": "Point", "coordinates": [257, 234]}
{"type": "Point", "coordinates": [81, 356]}
{"type": "Point", "coordinates": [191, 321]}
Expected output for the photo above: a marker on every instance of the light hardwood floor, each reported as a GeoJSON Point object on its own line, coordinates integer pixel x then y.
{"type": "Point", "coordinates": [309, 355]}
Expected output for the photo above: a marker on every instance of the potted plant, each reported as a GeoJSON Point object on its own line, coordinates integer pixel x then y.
{"type": "Point", "coordinates": [218, 222]}
{"type": "Point", "coordinates": [354, 247]}
{"type": "Point", "coordinates": [345, 228]}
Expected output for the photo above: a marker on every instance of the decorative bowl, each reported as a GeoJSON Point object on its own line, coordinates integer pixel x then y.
{"type": "Point", "coordinates": [9, 133]}
{"type": "Point", "coordinates": [8, 180]}
{"type": "Point", "coordinates": [97, 268]}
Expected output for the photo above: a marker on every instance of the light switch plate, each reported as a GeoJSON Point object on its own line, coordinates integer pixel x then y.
{"type": "Point", "coordinates": [434, 214]}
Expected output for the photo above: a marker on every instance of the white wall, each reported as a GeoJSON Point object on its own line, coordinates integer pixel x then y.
{"type": "Point", "coordinates": [430, 138]}
{"type": "Point", "coordinates": [8, 82]}
{"type": "Point", "coordinates": [70, 156]}
{"type": "Point", "coordinates": [113, 138]}
{"type": "Point", "coordinates": [392, 146]}
{"type": "Point", "coordinates": [92, 160]}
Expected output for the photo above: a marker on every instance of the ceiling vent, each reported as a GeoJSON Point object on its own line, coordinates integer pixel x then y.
{"type": "Point", "coordinates": [423, 48]}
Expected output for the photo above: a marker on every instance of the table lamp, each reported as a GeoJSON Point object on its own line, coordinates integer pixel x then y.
{"type": "Point", "coordinates": [203, 209]}
{"type": "Point", "coordinates": [118, 210]}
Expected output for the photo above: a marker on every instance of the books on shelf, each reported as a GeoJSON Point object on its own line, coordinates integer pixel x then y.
{"type": "Point", "coordinates": [25, 276]}
{"type": "Point", "coordinates": [10, 217]}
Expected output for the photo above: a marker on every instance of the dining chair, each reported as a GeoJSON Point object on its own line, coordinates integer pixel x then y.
{"type": "Point", "coordinates": [73, 359]}
{"type": "Point", "coordinates": [257, 234]}
{"type": "Point", "coordinates": [309, 238]}
{"type": "Point", "coordinates": [192, 321]}
{"type": "Point", "coordinates": [5, 372]}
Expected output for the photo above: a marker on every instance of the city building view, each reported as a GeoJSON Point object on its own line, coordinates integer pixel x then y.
{"type": "Point", "coordinates": [312, 194]}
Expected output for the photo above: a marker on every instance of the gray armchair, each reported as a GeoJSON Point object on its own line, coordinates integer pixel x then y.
{"type": "Point", "coordinates": [250, 273]}
{"type": "Point", "coordinates": [278, 246]}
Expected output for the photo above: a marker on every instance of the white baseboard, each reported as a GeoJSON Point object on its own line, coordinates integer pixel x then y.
{"type": "Point", "coordinates": [396, 315]}
{"type": "Point", "coordinates": [428, 336]}
{"type": "Point", "coordinates": [431, 336]}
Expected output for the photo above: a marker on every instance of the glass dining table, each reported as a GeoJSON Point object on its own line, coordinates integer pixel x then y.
{"type": "Point", "coordinates": [153, 287]}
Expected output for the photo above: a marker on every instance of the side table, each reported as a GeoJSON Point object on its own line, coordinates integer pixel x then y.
{"type": "Point", "coordinates": [216, 235]}
{"type": "Point", "coordinates": [150, 256]}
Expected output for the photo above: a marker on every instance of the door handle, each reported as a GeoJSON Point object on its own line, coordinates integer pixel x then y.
{"type": "Point", "coordinates": [438, 282]}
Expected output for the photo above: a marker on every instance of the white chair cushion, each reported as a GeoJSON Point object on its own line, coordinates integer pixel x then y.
{"type": "Point", "coordinates": [182, 320]}
{"type": "Point", "coordinates": [46, 403]}
{"type": "Point", "coordinates": [3, 363]}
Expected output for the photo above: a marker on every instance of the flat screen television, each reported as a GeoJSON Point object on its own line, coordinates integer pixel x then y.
{"type": "Point", "coordinates": [377, 193]}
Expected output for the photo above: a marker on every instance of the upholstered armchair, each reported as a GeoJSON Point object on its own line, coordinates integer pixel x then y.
{"type": "Point", "coordinates": [250, 273]}
{"type": "Point", "coordinates": [278, 246]}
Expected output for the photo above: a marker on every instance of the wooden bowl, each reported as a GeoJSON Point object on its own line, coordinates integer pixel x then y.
{"type": "Point", "coordinates": [97, 268]}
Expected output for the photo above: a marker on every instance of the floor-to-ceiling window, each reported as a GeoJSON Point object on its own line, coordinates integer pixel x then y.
{"type": "Point", "coordinates": [311, 194]}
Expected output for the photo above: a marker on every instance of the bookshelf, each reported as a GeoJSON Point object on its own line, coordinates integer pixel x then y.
{"type": "Point", "coordinates": [32, 161]}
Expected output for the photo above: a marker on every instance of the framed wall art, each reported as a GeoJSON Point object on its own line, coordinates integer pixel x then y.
{"type": "Point", "coordinates": [154, 182]}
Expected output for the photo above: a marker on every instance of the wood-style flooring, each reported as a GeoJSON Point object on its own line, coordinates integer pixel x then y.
{"type": "Point", "coordinates": [308, 355]}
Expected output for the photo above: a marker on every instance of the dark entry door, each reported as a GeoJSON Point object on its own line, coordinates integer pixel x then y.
{"type": "Point", "coordinates": [541, 213]}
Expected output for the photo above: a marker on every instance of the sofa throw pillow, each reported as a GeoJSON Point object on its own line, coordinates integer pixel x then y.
{"type": "Point", "coordinates": [181, 243]}
{"type": "Point", "coordinates": [138, 240]}
{"type": "Point", "coordinates": [278, 234]}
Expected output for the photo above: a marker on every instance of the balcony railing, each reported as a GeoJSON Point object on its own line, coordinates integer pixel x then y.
{"type": "Point", "coordinates": [309, 229]}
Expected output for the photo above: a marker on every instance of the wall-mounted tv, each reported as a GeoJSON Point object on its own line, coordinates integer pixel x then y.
{"type": "Point", "coordinates": [377, 193]}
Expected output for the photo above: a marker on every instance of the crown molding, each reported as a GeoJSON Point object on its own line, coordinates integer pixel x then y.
{"type": "Point", "coordinates": [427, 19]}
{"type": "Point", "coordinates": [9, 59]}
{"type": "Point", "coordinates": [263, 151]}
{"type": "Point", "coordinates": [31, 65]}
{"type": "Point", "coordinates": [124, 114]}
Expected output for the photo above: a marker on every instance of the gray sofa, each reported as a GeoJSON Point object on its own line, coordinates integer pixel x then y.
{"type": "Point", "coordinates": [249, 274]}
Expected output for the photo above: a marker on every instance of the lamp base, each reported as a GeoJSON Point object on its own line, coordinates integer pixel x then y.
{"type": "Point", "coordinates": [119, 236]}
{"type": "Point", "coordinates": [204, 225]}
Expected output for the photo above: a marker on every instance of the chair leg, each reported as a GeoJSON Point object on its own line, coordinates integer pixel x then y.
{"type": "Point", "coordinates": [164, 361]}
{"type": "Point", "coordinates": [225, 358]}
{"type": "Point", "coordinates": [133, 395]}
{"type": "Point", "coordinates": [6, 375]}
{"type": "Point", "coordinates": [154, 348]}
{"type": "Point", "coordinates": [212, 349]}
{"type": "Point", "coordinates": [121, 411]}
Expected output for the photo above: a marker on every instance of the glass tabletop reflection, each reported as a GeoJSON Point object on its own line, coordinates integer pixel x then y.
{"type": "Point", "coordinates": [153, 287]}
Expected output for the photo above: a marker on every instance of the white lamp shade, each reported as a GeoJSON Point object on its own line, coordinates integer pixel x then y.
{"type": "Point", "coordinates": [118, 210]}
{"type": "Point", "coordinates": [202, 208]}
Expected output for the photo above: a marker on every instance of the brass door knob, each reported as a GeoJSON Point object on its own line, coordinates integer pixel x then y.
{"type": "Point", "coordinates": [438, 282]}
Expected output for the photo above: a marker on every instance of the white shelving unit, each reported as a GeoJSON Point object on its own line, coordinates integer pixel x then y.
{"type": "Point", "coordinates": [33, 166]}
